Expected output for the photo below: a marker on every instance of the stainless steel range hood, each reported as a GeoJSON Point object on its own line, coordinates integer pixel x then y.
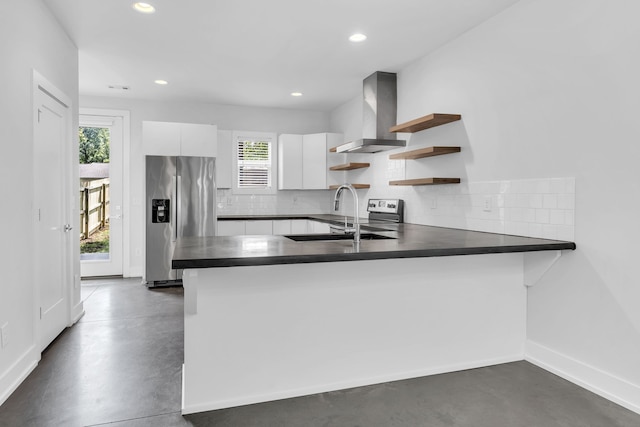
{"type": "Point", "coordinates": [380, 97]}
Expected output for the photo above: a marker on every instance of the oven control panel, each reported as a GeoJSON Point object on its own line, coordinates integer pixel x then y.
{"type": "Point", "coordinates": [386, 209]}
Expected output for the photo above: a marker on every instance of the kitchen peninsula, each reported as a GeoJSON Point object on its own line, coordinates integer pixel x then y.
{"type": "Point", "coordinates": [267, 317]}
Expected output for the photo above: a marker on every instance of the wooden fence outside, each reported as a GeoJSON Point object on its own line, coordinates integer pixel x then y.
{"type": "Point", "coordinates": [94, 209]}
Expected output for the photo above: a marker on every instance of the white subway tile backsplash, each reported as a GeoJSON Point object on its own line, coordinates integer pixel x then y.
{"type": "Point", "coordinates": [566, 201]}
{"type": "Point", "coordinates": [549, 231]}
{"type": "Point", "coordinates": [557, 217]}
{"type": "Point", "coordinates": [542, 216]}
{"type": "Point", "coordinates": [533, 207]}
{"type": "Point", "coordinates": [569, 217]}
{"type": "Point", "coordinates": [543, 208]}
{"type": "Point", "coordinates": [535, 200]}
{"type": "Point", "coordinates": [529, 215]}
{"type": "Point", "coordinates": [535, 230]}
{"type": "Point", "coordinates": [543, 186]}
{"type": "Point", "coordinates": [549, 201]}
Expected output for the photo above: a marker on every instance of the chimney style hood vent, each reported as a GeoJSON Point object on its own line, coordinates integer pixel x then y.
{"type": "Point", "coordinates": [380, 96]}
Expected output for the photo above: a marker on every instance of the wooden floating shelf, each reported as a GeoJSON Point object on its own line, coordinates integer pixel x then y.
{"type": "Point", "coordinates": [426, 181]}
{"type": "Point", "coordinates": [349, 166]}
{"type": "Point", "coordinates": [356, 186]}
{"type": "Point", "coordinates": [333, 149]}
{"type": "Point", "coordinates": [426, 122]}
{"type": "Point", "coordinates": [425, 152]}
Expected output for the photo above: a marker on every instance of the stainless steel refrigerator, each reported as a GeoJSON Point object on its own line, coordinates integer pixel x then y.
{"type": "Point", "coordinates": [180, 202]}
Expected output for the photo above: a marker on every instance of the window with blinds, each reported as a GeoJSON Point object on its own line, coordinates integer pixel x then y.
{"type": "Point", "coordinates": [254, 163]}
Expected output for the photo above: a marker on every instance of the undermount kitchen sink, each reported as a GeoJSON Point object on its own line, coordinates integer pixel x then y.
{"type": "Point", "coordinates": [334, 236]}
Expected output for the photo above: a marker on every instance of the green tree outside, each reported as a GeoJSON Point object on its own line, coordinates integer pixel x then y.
{"type": "Point", "coordinates": [94, 145]}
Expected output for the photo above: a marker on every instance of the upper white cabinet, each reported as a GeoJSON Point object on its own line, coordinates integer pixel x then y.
{"type": "Point", "coordinates": [314, 161]}
{"type": "Point", "coordinates": [302, 161]}
{"type": "Point", "coordinates": [179, 139]}
{"type": "Point", "coordinates": [161, 138]}
{"type": "Point", "coordinates": [289, 162]}
{"type": "Point", "coordinates": [198, 140]}
{"type": "Point", "coordinates": [224, 159]}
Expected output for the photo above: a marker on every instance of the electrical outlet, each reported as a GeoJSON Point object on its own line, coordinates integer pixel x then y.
{"type": "Point", "coordinates": [486, 206]}
{"type": "Point", "coordinates": [4, 335]}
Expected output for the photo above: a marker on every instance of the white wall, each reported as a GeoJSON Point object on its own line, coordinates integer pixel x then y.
{"type": "Point", "coordinates": [549, 89]}
{"type": "Point", "coordinates": [225, 117]}
{"type": "Point", "coordinates": [30, 38]}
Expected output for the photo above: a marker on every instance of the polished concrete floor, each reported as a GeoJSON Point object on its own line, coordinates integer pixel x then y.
{"type": "Point", "coordinates": [121, 366]}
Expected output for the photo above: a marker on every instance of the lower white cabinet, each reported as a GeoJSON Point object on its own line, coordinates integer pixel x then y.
{"type": "Point", "coordinates": [281, 227]}
{"type": "Point", "coordinates": [231, 228]}
{"type": "Point", "coordinates": [259, 227]}
{"type": "Point", "coordinates": [299, 226]}
{"type": "Point", "coordinates": [277, 227]}
{"type": "Point", "coordinates": [317, 227]}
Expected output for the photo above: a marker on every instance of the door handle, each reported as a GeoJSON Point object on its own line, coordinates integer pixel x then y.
{"type": "Point", "coordinates": [67, 228]}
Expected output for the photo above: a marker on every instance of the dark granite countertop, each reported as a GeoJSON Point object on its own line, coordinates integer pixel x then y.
{"type": "Point", "coordinates": [410, 241]}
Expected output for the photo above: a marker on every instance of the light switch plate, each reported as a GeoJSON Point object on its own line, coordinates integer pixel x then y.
{"type": "Point", "coordinates": [487, 204]}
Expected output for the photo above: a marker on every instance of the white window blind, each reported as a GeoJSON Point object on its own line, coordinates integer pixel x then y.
{"type": "Point", "coordinates": [254, 163]}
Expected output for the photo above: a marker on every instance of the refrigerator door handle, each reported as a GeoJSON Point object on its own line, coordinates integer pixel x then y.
{"type": "Point", "coordinates": [178, 227]}
{"type": "Point", "coordinates": [174, 207]}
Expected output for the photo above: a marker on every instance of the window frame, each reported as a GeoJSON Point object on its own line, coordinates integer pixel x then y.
{"type": "Point", "coordinates": [272, 138]}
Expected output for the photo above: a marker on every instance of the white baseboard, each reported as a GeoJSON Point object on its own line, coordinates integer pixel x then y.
{"type": "Point", "coordinates": [17, 373]}
{"type": "Point", "coordinates": [134, 272]}
{"type": "Point", "coordinates": [322, 388]}
{"type": "Point", "coordinates": [76, 313]}
{"type": "Point", "coordinates": [602, 383]}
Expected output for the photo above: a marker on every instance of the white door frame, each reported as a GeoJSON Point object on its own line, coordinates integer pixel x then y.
{"type": "Point", "coordinates": [126, 179]}
{"type": "Point", "coordinates": [73, 310]}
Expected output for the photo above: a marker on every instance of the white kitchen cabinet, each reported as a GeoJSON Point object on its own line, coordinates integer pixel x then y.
{"type": "Point", "coordinates": [299, 226]}
{"type": "Point", "coordinates": [161, 138]}
{"type": "Point", "coordinates": [281, 226]}
{"type": "Point", "coordinates": [314, 161]}
{"type": "Point", "coordinates": [318, 227]}
{"type": "Point", "coordinates": [290, 162]}
{"type": "Point", "coordinates": [224, 159]}
{"type": "Point", "coordinates": [231, 228]}
{"type": "Point", "coordinates": [198, 140]}
{"type": "Point", "coordinates": [179, 139]}
{"type": "Point", "coordinates": [262, 227]}
{"type": "Point", "coordinates": [303, 160]}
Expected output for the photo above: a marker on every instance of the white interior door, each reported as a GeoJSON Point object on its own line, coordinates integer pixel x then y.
{"type": "Point", "coordinates": [105, 261]}
{"type": "Point", "coordinates": [52, 240]}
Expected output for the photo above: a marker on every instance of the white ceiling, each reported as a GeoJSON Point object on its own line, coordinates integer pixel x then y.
{"type": "Point", "coordinates": [256, 52]}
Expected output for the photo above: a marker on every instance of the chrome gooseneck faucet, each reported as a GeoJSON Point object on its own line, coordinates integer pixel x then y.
{"type": "Point", "coordinates": [356, 218]}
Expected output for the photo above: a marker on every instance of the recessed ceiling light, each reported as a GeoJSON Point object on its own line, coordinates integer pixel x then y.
{"type": "Point", "coordinates": [296, 93]}
{"type": "Point", "coordinates": [144, 7]}
{"type": "Point", "coordinates": [161, 82]}
{"type": "Point", "coordinates": [357, 38]}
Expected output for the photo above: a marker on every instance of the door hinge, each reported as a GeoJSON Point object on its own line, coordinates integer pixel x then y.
{"type": "Point", "coordinates": [40, 313]}
{"type": "Point", "coordinates": [39, 113]}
